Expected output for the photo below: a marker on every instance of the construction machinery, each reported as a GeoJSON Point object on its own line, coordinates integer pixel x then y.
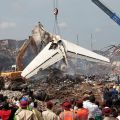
{"type": "Point", "coordinates": [12, 76]}
{"type": "Point", "coordinates": [37, 41]}
{"type": "Point", "coordinates": [111, 14]}
{"type": "Point", "coordinates": [9, 78]}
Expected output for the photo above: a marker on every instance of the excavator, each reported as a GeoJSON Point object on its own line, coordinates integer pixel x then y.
{"type": "Point", "coordinates": [37, 41]}
{"type": "Point", "coordinates": [13, 75]}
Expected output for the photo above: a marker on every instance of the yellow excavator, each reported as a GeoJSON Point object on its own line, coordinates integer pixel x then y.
{"type": "Point", "coordinates": [9, 78]}
{"type": "Point", "coordinates": [39, 37]}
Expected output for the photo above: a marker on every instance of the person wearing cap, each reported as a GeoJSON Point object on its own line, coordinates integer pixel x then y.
{"type": "Point", "coordinates": [109, 114]}
{"type": "Point", "coordinates": [106, 113]}
{"type": "Point", "coordinates": [67, 114]}
{"type": "Point", "coordinates": [81, 112]}
{"type": "Point", "coordinates": [23, 113]}
{"type": "Point", "coordinates": [49, 114]}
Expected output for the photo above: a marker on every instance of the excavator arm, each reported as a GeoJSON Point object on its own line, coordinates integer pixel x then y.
{"type": "Point", "coordinates": [22, 51]}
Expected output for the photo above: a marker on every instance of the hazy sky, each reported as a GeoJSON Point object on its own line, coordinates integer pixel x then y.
{"type": "Point", "coordinates": [82, 17]}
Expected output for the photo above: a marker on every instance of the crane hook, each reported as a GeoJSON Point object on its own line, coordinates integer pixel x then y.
{"type": "Point", "coordinates": [56, 11]}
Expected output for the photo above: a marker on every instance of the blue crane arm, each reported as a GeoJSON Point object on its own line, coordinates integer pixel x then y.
{"type": "Point", "coordinates": [112, 15]}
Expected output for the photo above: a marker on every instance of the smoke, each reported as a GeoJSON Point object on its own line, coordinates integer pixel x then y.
{"type": "Point", "coordinates": [76, 67]}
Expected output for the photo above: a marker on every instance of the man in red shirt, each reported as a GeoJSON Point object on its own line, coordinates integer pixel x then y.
{"type": "Point", "coordinates": [6, 113]}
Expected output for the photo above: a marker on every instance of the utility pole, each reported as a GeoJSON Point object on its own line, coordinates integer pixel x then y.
{"type": "Point", "coordinates": [77, 42]}
{"type": "Point", "coordinates": [91, 42]}
{"type": "Point", "coordinates": [77, 39]}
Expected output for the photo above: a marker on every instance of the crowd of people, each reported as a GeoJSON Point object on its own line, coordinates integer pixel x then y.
{"type": "Point", "coordinates": [84, 108]}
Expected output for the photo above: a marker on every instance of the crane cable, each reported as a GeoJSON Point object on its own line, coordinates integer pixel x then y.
{"type": "Point", "coordinates": [56, 28]}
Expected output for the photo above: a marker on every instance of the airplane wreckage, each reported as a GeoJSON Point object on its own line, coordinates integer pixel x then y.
{"type": "Point", "coordinates": [53, 49]}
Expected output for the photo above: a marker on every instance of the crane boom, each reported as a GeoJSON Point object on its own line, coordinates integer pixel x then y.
{"type": "Point", "coordinates": [111, 14]}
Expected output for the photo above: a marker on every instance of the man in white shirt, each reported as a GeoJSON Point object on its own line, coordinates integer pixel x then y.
{"type": "Point", "coordinates": [91, 106]}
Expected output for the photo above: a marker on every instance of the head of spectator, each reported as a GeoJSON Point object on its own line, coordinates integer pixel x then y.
{"type": "Point", "coordinates": [79, 103]}
{"type": "Point", "coordinates": [90, 92]}
{"type": "Point", "coordinates": [114, 112]}
{"type": "Point", "coordinates": [58, 111]}
{"type": "Point", "coordinates": [85, 97]}
{"type": "Point", "coordinates": [5, 105]}
{"type": "Point", "coordinates": [1, 97]}
{"type": "Point", "coordinates": [5, 98]}
{"type": "Point", "coordinates": [97, 103]}
{"type": "Point", "coordinates": [66, 105]}
{"type": "Point", "coordinates": [49, 105]}
{"type": "Point", "coordinates": [72, 101]}
{"type": "Point", "coordinates": [35, 104]}
{"type": "Point", "coordinates": [23, 104]}
{"type": "Point", "coordinates": [15, 98]}
{"type": "Point", "coordinates": [92, 99]}
{"type": "Point", "coordinates": [106, 111]}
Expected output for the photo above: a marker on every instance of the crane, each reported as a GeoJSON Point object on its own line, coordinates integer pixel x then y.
{"type": "Point", "coordinates": [111, 14]}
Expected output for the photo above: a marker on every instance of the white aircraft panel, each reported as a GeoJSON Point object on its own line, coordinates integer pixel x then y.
{"type": "Point", "coordinates": [75, 49]}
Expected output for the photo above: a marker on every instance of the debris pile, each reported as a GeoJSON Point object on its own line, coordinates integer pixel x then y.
{"type": "Point", "coordinates": [62, 86]}
{"type": "Point", "coordinates": [58, 85]}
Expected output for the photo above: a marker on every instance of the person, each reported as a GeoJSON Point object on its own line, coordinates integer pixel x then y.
{"type": "Point", "coordinates": [37, 114]}
{"type": "Point", "coordinates": [23, 113]}
{"type": "Point", "coordinates": [16, 101]}
{"type": "Point", "coordinates": [67, 114]}
{"type": "Point", "coordinates": [85, 100]}
{"type": "Point", "coordinates": [82, 113]}
{"type": "Point", "coordinates": [49, 114]}
{"type": "Point", "coordinates": [6, 113]}
{"type": "Point", "coordinates": [107, 114]}
{"type": "Point", "coordinates": [98, 114]}
{"type": "Point", "coordinates": [58, 111]}
{"type": "Point", "coordinates": [106, 94]}
{"type": "Point", "coordinates": [72, 101]}
{"type": "Point", "coordinates": [118, 88]}
{"type": "Point", "coordinates": [114, 92]}
{"type": "Point", "coordinates": [118, 117]}
{"type": "Point", "coordinates": [91, 106]}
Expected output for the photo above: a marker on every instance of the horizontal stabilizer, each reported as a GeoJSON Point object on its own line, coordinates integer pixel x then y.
{"type": "Point", "coordinates": [83, 53]}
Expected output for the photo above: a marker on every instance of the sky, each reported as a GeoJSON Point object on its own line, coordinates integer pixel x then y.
{"type": "Point", "coordinates": [79, 18]}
